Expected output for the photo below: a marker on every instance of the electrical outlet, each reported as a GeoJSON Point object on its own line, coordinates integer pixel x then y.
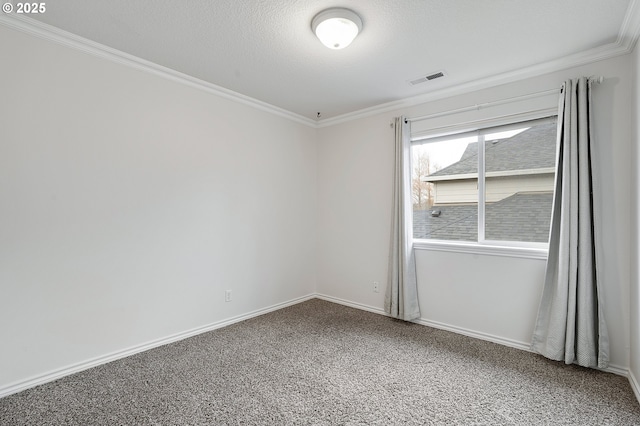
{"type": "Point", "coordinates": [376, 287]}
{"type": "Point", "coordinates": [227, 295]}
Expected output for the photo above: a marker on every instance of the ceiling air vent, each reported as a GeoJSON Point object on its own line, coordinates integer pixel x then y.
{"type": "Point", "coordinates": [426, 78]}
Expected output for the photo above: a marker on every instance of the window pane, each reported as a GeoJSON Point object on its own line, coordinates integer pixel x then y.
{"type": "Point", "coordinates": [519, 179]}
{"type": "Point", "coordinates": [445, 189]}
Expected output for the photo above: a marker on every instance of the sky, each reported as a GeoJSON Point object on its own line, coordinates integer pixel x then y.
{"type": "Point", "coordinates": [444, 153]}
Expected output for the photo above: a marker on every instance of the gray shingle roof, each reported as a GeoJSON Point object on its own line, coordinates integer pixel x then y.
{"type": "Point", "coordinates": [524, 216]}
{"type": "Point", "coordinates": [534, 148]}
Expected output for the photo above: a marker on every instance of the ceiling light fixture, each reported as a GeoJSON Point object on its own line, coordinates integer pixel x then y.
{"type": "Point", "coordinates": [336, 27]}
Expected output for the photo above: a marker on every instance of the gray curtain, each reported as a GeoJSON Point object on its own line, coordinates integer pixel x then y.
{"type": "Point", "coordinates": [570, 326]}
{"type": "Point", "coordinates": [401, 297]}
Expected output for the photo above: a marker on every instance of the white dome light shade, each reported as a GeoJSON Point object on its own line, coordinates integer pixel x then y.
{"type": "Point", "coordinates": [337, 27]}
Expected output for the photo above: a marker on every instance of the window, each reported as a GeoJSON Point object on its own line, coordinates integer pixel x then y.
{"type": "Point", "coordinates": [493, 185]}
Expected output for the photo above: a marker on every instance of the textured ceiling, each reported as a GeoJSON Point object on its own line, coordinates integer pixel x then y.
{"type": "Point", "coordinates": [265, 48]}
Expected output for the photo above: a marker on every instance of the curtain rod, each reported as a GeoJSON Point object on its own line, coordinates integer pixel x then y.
{"type": "Point", "coordinates": [484, 105]}
{"type": "Point", "coordinates": [597, 79]}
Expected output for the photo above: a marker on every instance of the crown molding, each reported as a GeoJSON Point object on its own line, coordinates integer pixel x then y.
{"type": "Point", "coordinates": [594, 55]}
{"type": "Point", "coordinates": [630, 29]}
{"type": "Point", "coordinates": [51, 33]}
{"type": "Point", "coordinates": [624, 44]}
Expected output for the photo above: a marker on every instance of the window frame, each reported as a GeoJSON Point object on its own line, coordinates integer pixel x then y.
{"type": "Point", "coordinates": [522, 249]}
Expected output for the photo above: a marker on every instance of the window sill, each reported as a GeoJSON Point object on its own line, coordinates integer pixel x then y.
{"type": "Point", "coordinates": [527, 252]}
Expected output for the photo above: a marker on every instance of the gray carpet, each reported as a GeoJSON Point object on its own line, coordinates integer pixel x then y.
{"type": "Point", "coordinates": [319, 363]}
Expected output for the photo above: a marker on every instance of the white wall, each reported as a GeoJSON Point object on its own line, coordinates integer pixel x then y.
{"type": "Point", "coordinates": [635, 250]}
{"type": "Point", "coordinates": [495, 297]}
{"type": "Point", "coordinates": [129, 203]}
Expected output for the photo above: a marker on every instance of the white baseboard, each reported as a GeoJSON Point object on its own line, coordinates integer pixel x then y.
{"type": "Point", "coordinates": [435, 324]}
{"type": "Point", "coordinates": [94, 362]}
{"type": "Point", "coordinates": [616, 369]}
{"type": "Point", "coordinates": [516, 344]}
{"type": "Point", "coordinates": [351, 304]}
{"type": "Point", "coordinates": [635, 384]}
{"type": "Point", "coordinates": [525, 346]}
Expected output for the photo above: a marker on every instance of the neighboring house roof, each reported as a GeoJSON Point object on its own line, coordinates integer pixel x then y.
{"type": "Point", "coordinates": [532, 149]}
{"type": "Point", "coordinates": [524, 216]}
